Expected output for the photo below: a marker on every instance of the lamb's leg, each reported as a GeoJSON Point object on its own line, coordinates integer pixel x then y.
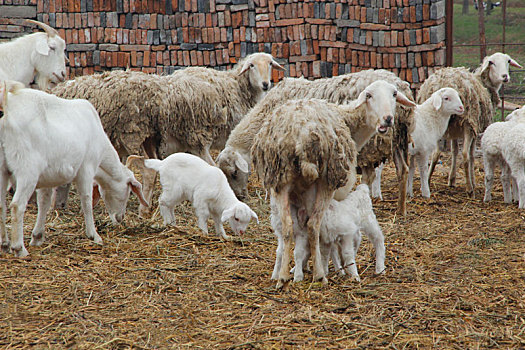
{"type": "Point", "coordinates": [368, 176]}
{"type": "Point", "coordinates": [506, 182]}
{"type": "Point", "coordinates": [348, 252]}
{"type": "Point", "coordinates": [24, 190]}
{"type": "Point", "coordinates": [219, 228]}
{"type": "Point", "coordinates": [202, 218]}
{"type": "Point", "coordinates": [422, 162]}
{"type": "Point", "coordinates": [326, 249]}
{"type": "Point", "coordinates": [84, 183]}
{"type": "Point", "coordinates": [515, 190]}
{"type": "Point", "coordinates": [376, 184]}
{"type": "Point", "coordinates": [411, 172]}
{"type": "Point", "coordinates": [282, 200]}
{"type": "Point", "coordinates": [435, 160]}
{"type": "Point", "coordinates": [168, 199]}
{"type": "Point", "coordinates": [61, 195]}
{"type": "Point", "coordinates": [205, 154]}
{"type": "Point", "coordinates": [278, 257]}
{"type": "Point", "coordinates": [402, 177]}
{"type": "Point", "coordinates": [301, 255]}
{"type": "Point", "coordinates": [322, 200]}
{"type": "Point", "coordinates": [335, 254]}
{"type": "Point", "coordinates": [375, 235]}
{"type": "Point", "coordinates": [454, 154]}
{"type": "Point", "coordinates": [4, 237]}
{"type": "Point", "coordinates": [488, 165]}
{"type": "Point", "coordinates": [518, 171]}
{"type": "Point", "coordinates": [468, 162]}
{"type": "Point", "coordinates": [43, 197]}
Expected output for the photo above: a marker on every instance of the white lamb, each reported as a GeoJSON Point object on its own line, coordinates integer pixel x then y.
{"type": "Point", "coordinates": [42, 53]}
{"type": "Point", "coordinates": [432, 117]}
{"type": "Point", "coordinates": [187, 177]}
{"type": "Point", "coordinates": [340, 235]}
{"type": "Point", "coordinates": [46, 142]}
{"type": "Point", "coordinates": [501, 145]}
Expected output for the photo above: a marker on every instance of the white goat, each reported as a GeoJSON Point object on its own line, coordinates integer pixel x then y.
{"type": "Point", "coordinates": [48, 141]}
{"type": "Point", "coordinates": [340, 235]}
{"type": "Point", "coordinates": [432, 117]}
{"type": "Point", "coordinates": [37, 53]}
{"type": "Point", "coordinates": [187, 177]}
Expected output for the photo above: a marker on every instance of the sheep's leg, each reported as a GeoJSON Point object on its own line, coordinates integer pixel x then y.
{"type": "Point", "coordinates": [376, 184]}
{"type": "Point", "coordinates": [219, 228]}
{"type": "Point", "coordinates": [149, 177]}
{"type": "Point", "coordinates": [368, 176]}
{"type": "Point", "coordinates": [422, 162]}
{"type": "Point", "coordinates": [4, 237]}
{"type": "Point", "coordinates": [278, 257]}
{"type": "Point", "coordinates": [515, 190]}
{"type": "Point", "coordinates": [518, 171]}
{"type": "Point", "coordinates": [205, 154]}
{"type": "Point", "coordinates": [435, 160]}
{"type": "Point", "coordinates": [471, 165]}
{"type": "Point", "coordinates": [43, 197]}
{"type": "Point", "coordinates": [348, 252]}
{"type": "Point", "coordinates": [402, 177]}
{"type": "Point", "coordinates": [84, 184]}
{"type": "Point", "coordinates": [454, 154]}
{"type": "Point", "coordinates": [326, 249]}
{"type": "Point", "coordinates": [202, 219]}
{"type": "Point", "coordinates": [488, 165]}
{"type": "Point", "coordinates": [506, 182]}
{"type": "Point", "coordinates": [301, 255]}
{"type": "Point", "coordinates": [375, 235]}
{"type": "Point", "coordinates": [282, 200]}
{"type": "Point", "coordinates": [468, 163]}
{"type": "Point", "coordinates": [335, 254]}
{"type": "Point", "coordinates": [24, 190]}
{"type": "Point", "coordinates": [411, 172]}
{"type": "Point", "coordinates": [61, 195]}
{"type": "Point", "coordinates": [322, 200]}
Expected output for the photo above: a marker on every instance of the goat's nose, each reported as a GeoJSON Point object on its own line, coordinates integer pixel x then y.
{"type": "Point", "coordinates": [388, 119]}
{"type": "Point", "coordinates": [265, 85]}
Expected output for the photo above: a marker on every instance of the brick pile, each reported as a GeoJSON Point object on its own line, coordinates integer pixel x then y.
{"type": "Point", "coordinates": [310, 38]}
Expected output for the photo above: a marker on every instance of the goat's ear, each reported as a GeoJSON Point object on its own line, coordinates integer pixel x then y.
{"type": "Point", "coordinates": [437, 99]}
{"type": "Point", "coordinates": [276, 65]}
{"type": "Point", "coordinates": [241, 163]}
{"type": "Point", "coordinates": [96, 194]}
{"type": "Point", "coordinates": [255, 216]}
{"type": "Point", "coordinates": [136, 188]}
{"type": "Point", "coordinates": [136, 160]}
{"type": "Point", "coordinates": [227, 214]}
{"type": "Point", "coordinates": [401, 98]}
{"type": "Point", "coordinates": [514, 63]}
{"type": "Point", "coordinates": [361, 99]}
{"type": "Point", "coordinates": [42, 47]}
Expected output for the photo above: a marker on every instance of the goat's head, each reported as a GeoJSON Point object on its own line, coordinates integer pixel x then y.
{"type": "Point", "coordinates": [236, 170]}
{"type": "Point", "coordinates": [48, 57]}
{"type": "Point", "coordinates": [259, 66]}
{"type": "Point", "coordinates": [379, 99]}
{"type": "Point", "coordinates": [239, 217]}
{"type": "Point", "coordinates": [498, 65]}
{"type": "Point", "coordinates": [448, 101]}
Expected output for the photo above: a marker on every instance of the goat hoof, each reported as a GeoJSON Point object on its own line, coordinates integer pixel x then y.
{"type": "Point", "coordinates": [97, 240]}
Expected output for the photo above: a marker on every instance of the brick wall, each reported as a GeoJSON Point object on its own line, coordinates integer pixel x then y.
{"type": "Point", "coordinates": [311, 38]}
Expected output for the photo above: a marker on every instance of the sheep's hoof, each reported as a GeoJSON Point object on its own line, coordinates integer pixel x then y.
{"type": "Point", "coordinates": [97, 240]}
{"type": "Point", "coordinates": [20, 252]}
{"type": "Point", "coordinates": [281, 283]}
{"type": "Point", "coordinates": [227, 238]}
{"type": "Point", "coordinates": [6, 247]}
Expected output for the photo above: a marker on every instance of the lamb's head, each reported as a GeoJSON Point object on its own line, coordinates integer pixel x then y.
{"type": "Point", "coordinates": [516, 116]}
{"type": "Point", "coordinates": [379, 99]}
{"type": "Point", "coordinates": [115, 193]}
{"type": "Point", "coordinates": [259, 66]}
{"type": "Point", "coordinates": [239, 217]}
{"type": "Point", "coordinates": [447, 101]}
{"type": "Point", "coordinates": [48, 56]}
{"type": "Point", "coordinates": [235, 168]}
{"type": "Point", "coordinates": [498, 65]}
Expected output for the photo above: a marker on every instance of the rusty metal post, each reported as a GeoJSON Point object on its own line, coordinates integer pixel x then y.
{"type": "Point", "coordinates": [449, 37]}
{"type": "Point", "coordinates": [502, 92]}
{"type": "Point", "coordinates": [481, 27]}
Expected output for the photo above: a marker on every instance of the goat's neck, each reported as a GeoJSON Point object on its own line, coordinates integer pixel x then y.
{"type": "Point", "coordinates": [110, 168]}
{"type": "Point", "coordinates": [493, 90]}
{"type": "Point", "coordinates": [19, 65]}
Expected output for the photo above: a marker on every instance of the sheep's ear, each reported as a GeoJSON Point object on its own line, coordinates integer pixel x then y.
{"type": "Point", "coordinates": [136, 188]}
{"type": "Point", "coordinates": [3, 96]}
{"type": "Point", "coordinates": [96, 194]}
{"type": "Point", "coordinates": [246, 67]}
{"type": "Point", "coordinates": [276, 65]}
{"type": "Point", "coordinates": [514, 63]}
{"type": "Point", "coordinates": [42, 47]}
{"type": "Point", "coordinates": [401, 98]}
{"type": "Point", "coordinates": [437, 99]}
{"type": "Point", "coordinates": [361, 99]}
{"type": "Point", "coordinates": [255, 216]}
{"type": "Point", "coordinates": [226, 214]}
{"type": "Point", "coordinates": [241, 163]}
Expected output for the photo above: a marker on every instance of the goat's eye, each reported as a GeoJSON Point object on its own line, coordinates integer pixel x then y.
{"type": "Point", "coordinates": [395, 94]}
{"type": "Point", "coordinates": [446, 98]}
{"type": "Point", "coordinates": [368, 95]}
{"type": "Point", "coordinates": [236, 219]}
{"type": "Point", "coordinates": [251, 65]}
{"type": "Point", "coordinates": [491, 63]}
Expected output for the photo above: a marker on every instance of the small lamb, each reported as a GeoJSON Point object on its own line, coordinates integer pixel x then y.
{"type": "Point", "coordinates": [340, 235]}
{"type": "Point", "coordinates": [432, 117]}
{"type": "Point", "coordinates": [187, 177]}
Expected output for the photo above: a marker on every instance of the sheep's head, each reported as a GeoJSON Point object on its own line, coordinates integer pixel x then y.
{"type": "Point", "coordinates": [116, 193]}
{"type": "Point", "coordinates": [448, 101]}
{"type": "Point", "coordinates": [239, 217]}
{"type": "Point", "coordinates": [49, 57]}
{"type": "Point", "coordinates": [236, 170]}
{"type": "Point", "coordinates": [498, 65]}
{"type": "Point", "coordinates": [379, 99]}
{"type": "Point", "coordinates": [259, 66]}
{"type": "Point", "coordinates": [517, 116]}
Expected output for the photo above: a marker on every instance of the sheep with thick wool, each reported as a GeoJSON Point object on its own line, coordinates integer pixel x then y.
{"type": "Point", "coordinates": [479, 92]}
{"type": "Point", "coordinates": [305, 154]}
{"type": "Point", "coordinates": [431, 117]}
{"type": "Point", "coordinates": [40, 54]}
{"type": "Point", "coordinates": [183, 177]}
{"type": "Point", "coordinates": [47, 141]}
{"type": "Point", "coordinates": [192, 110]}
{"type": "Point", "coordinates": [235, 159]}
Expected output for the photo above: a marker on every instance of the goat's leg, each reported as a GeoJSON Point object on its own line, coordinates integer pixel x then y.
{"type": "Point", "coordinates": [411, 172]}
{"type": "Point", "coordinates": [488, 165]}
{"type": "Point", "coordinates": [4, 237]}
{"type": "Point", "coordinates": [61, 195]}
{"type": "Point", "coordinates": [205, 154]}
{"type": "Point", "coordinates": [24, 190]}
{"type": "Point", "coordinates": [149, 177]}
{"type": "Point", "coordinates": [282, 200]}
{"type": "Point", "coordinates": [84, 183]}
{"type": "Point", "coordinates": [43, 197]}
{"type": "Point", "coordinates": [453, 164]}
{"type": "Point", "coordinates": [322, 200]}
{"type": "Point", "coordinates": [219, 228]}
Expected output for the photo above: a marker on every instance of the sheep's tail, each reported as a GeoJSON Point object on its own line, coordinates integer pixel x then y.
{"type": "Point", "coordinates": [153, 164]}
{"type": "Point", "coordinates": [309, 171]}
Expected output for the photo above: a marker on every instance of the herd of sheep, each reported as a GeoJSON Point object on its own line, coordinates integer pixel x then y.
{"type": "Point", "coordinates": [305, 140]}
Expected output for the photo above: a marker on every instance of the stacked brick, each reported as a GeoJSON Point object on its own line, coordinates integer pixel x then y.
{"type": "Point", "coordinates": [311, 38]}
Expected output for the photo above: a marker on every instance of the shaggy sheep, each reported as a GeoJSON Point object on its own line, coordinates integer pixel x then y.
{"type": "Point", "coordinates": [304, 153]}
{"type": "Point", "coordinates": [479, 93]}
{"type": "Point", "coordinates": [187, 177]}
{"type": "Point", "coordinates": [499, 141]}
{"type": "Point", "coordinates": [40, 54]}
{"type": "Point", "coordinates": [48, 141]}
{"type": "Point", "coordinates": [431, 119]}
{"type": "Point", "coordinates": [192, 110]}
{"type": "Point", "coordinates": [235, 159]}
{"type": "Point", "coordinates": [340, 235]}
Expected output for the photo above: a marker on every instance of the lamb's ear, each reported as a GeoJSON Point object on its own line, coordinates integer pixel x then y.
{"type": "Point", "coordinates": [401, 98]}
{"type": "Point", "coordinates": [136, 188]}
{"type": "Point", "coordinates": [276, 65]}
{"type": "Point", "coordinates": [227, 214]}
{"type": "Point", "coordinates": [437, 99]}
{"type": "Point", "coordinates": [42, 47]}
{"type": "Point", "coordinates": [254, 216]}
{"type": "Point", "coordinates": [96, 194]}
{"type": "Point", "coordinates": [361, 99]}
{"type": "Point", "coordinates": [241, 163]}
{"type": "Point", "coordinates": [514, 63]}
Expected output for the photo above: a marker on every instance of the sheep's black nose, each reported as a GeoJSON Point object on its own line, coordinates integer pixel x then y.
{"type": "Point", "coordinates": [265, 86]}
{"type": "Point", "coordinates": [388, 119]}
{"type": "Point", "coordinates": [505, 78]}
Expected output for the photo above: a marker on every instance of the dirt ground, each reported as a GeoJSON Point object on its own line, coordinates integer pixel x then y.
{"type": "Point", "coordinates": [455, 279]}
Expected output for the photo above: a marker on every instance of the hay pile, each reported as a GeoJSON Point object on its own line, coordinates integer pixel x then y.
{"type": "Point", "coordinates": [455, 279]}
